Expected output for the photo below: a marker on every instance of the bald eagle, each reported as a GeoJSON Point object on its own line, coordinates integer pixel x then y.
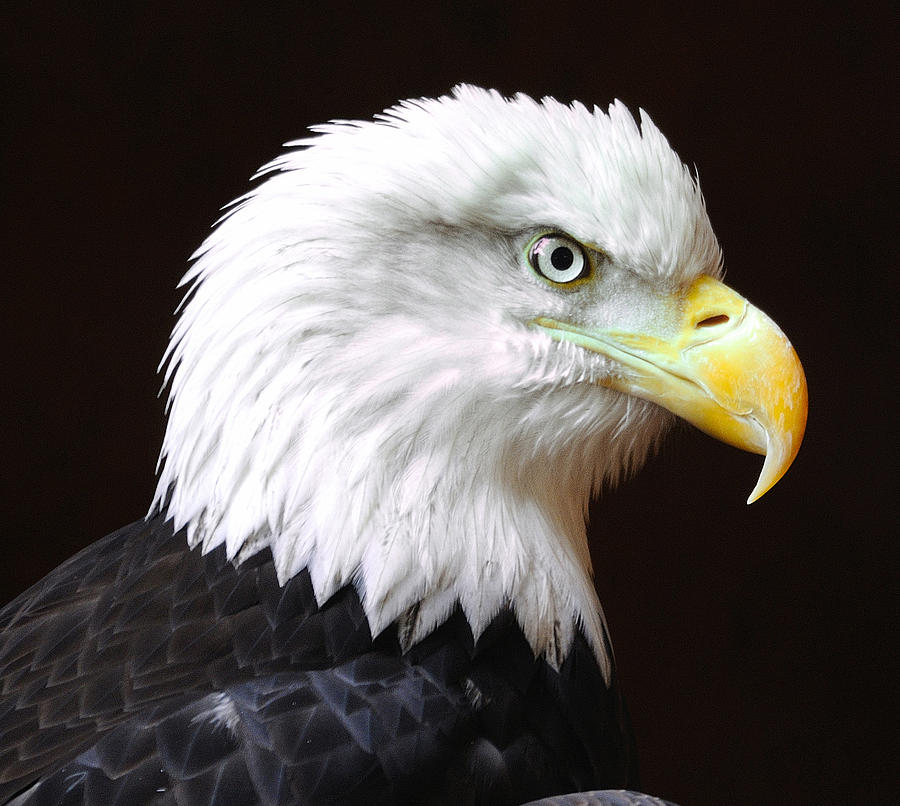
{"type": "Point", "coordinates": [405, 363]}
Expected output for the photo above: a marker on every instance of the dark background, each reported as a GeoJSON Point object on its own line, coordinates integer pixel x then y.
{"type": "Point", "coordinates": [756, 645]}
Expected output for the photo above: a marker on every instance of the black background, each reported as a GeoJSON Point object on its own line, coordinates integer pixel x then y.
{"type": "Point", "coordinates": [757, 645]}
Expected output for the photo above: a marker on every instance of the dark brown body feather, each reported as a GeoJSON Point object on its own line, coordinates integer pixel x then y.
{"type": "Point", "coordinates": [140, 672]}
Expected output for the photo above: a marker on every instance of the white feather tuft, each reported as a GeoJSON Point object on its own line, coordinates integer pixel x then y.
{"type": "Point", "coordinates": [353, 381]}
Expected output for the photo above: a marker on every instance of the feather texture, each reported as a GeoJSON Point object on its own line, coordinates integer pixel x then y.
{"type": "Point", "coordinates": [140, 672]}
{"type": "Point", "coordinates": [353, 382]}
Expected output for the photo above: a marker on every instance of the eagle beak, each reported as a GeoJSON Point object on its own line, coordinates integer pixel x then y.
{"type": "Point", "coordinates": [716, 361]}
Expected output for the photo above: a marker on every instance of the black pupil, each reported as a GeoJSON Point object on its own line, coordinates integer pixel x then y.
{"type": "Point", "coordinates": [562, 258]}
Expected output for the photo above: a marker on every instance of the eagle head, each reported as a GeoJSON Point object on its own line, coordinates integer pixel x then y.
{"type": "Point", "coordinates": [409, 357]}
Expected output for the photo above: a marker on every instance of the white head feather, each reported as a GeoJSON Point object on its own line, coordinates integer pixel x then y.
{"type": "Point", "coordinates": [353, 381]}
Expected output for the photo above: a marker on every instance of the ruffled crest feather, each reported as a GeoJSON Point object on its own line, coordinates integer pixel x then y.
{"type": "Point", "coordinates": [353, 381]}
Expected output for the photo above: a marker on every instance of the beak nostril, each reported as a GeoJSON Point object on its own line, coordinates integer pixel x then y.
{"type": "Point", "coordinates": [711, 321]}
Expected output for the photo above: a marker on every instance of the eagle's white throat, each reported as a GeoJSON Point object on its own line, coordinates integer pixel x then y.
{"type": "Point", "coordinates": [354, 382]}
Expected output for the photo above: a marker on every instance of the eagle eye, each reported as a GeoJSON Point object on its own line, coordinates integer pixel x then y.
{"type": "Point", "coordinates": [558, 258]}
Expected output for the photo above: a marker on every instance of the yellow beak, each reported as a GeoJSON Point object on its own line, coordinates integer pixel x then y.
{"type": "Point", "coordinates": [716, 361]}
